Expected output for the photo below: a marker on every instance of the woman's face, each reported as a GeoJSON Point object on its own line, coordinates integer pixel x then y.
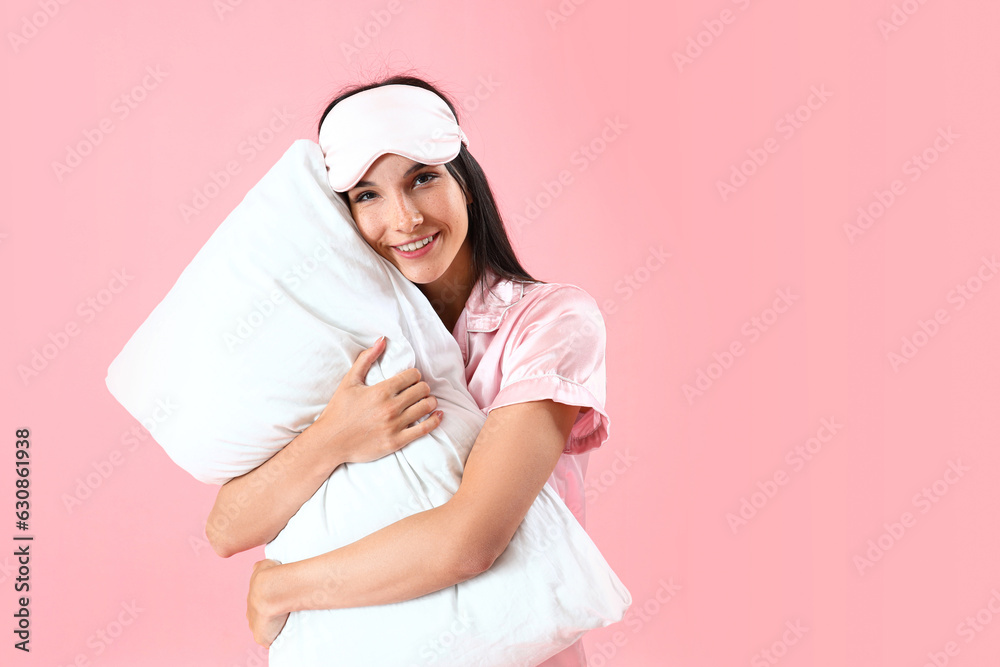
{"type": "Point", "coordinates": [398, 202]}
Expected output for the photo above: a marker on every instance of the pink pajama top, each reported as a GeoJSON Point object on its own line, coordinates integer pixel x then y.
{"type": "Point", "coordinates": [533, 341]}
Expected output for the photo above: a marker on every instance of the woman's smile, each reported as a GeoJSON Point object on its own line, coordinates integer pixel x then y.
{"type": "Point", "coordinates": [417, 248]}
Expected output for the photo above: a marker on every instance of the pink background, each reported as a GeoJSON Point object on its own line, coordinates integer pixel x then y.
{"type": "Point", "coordinates": [536, 88]}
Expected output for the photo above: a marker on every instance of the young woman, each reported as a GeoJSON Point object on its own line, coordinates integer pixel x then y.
{"type": "Point", "coordinates": [534, 356]}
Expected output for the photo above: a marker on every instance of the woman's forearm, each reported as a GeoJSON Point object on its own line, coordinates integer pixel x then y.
{"type": "Point", "coordinates": [420, 554]}
{"type": "Point", "coordinates": [251, 510]}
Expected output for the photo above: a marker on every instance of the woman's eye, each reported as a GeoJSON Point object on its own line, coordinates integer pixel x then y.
{"type": "Point", "coordinates": [360, 197]}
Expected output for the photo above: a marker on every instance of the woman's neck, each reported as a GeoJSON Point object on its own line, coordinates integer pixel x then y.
{"type": "Point", "coordinates": [449, 293]}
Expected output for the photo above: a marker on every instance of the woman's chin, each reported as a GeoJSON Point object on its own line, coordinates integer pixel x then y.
{"type": "Point", "coordinates": [419, 275]}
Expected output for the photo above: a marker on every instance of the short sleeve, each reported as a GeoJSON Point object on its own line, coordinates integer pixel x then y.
{"type": "Point", "coordinates": [555, 351]}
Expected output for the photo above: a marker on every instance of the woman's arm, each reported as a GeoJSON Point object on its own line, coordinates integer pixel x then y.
{"type": "Point", "coordinates": [251, 509]}
{"type": "Point", "coordinates": [360, 423]}
{"type": "Point", "coordinates": [513, 456]}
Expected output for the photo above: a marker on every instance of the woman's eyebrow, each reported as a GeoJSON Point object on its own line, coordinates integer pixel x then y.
{"type": "Point", "coordinates": [365, 184]}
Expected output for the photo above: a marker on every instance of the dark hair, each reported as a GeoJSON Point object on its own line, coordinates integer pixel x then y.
{"type": "Point", "coordinates": [487, 234]}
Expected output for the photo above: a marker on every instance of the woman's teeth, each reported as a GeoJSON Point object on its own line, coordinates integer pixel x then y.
{"type": "Point", "coordinates": [410, 247]}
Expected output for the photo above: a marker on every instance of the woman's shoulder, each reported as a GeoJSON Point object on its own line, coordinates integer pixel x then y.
{"type": "Point", "coordinates": [569, 304]}
{"type": "Point", "coordinates": [522, 303]}
{"type": "Point", "coordinates": [560, 296]}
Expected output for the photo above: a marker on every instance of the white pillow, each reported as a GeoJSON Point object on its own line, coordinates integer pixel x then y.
{"type": "Point", "coordinates": [248, 347]}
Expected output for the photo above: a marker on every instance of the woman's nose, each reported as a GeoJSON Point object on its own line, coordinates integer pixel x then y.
{"type": "Point", "coordinates": [407, 214]}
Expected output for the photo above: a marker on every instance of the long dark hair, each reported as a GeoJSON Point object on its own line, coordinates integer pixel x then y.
{"type": "Point", "coordinates": [487, 234]}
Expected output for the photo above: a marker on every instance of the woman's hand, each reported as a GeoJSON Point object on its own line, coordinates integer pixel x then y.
{"type": "Point", "coordinates": [359, 424]}
{"type": "Point", "coordinates": [373, 421]}
{"type": "Point", "coordinates": [264, 625]}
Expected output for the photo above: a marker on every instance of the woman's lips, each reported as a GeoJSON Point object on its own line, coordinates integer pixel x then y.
{"type": "Point", "coordinates": [419, 251]}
